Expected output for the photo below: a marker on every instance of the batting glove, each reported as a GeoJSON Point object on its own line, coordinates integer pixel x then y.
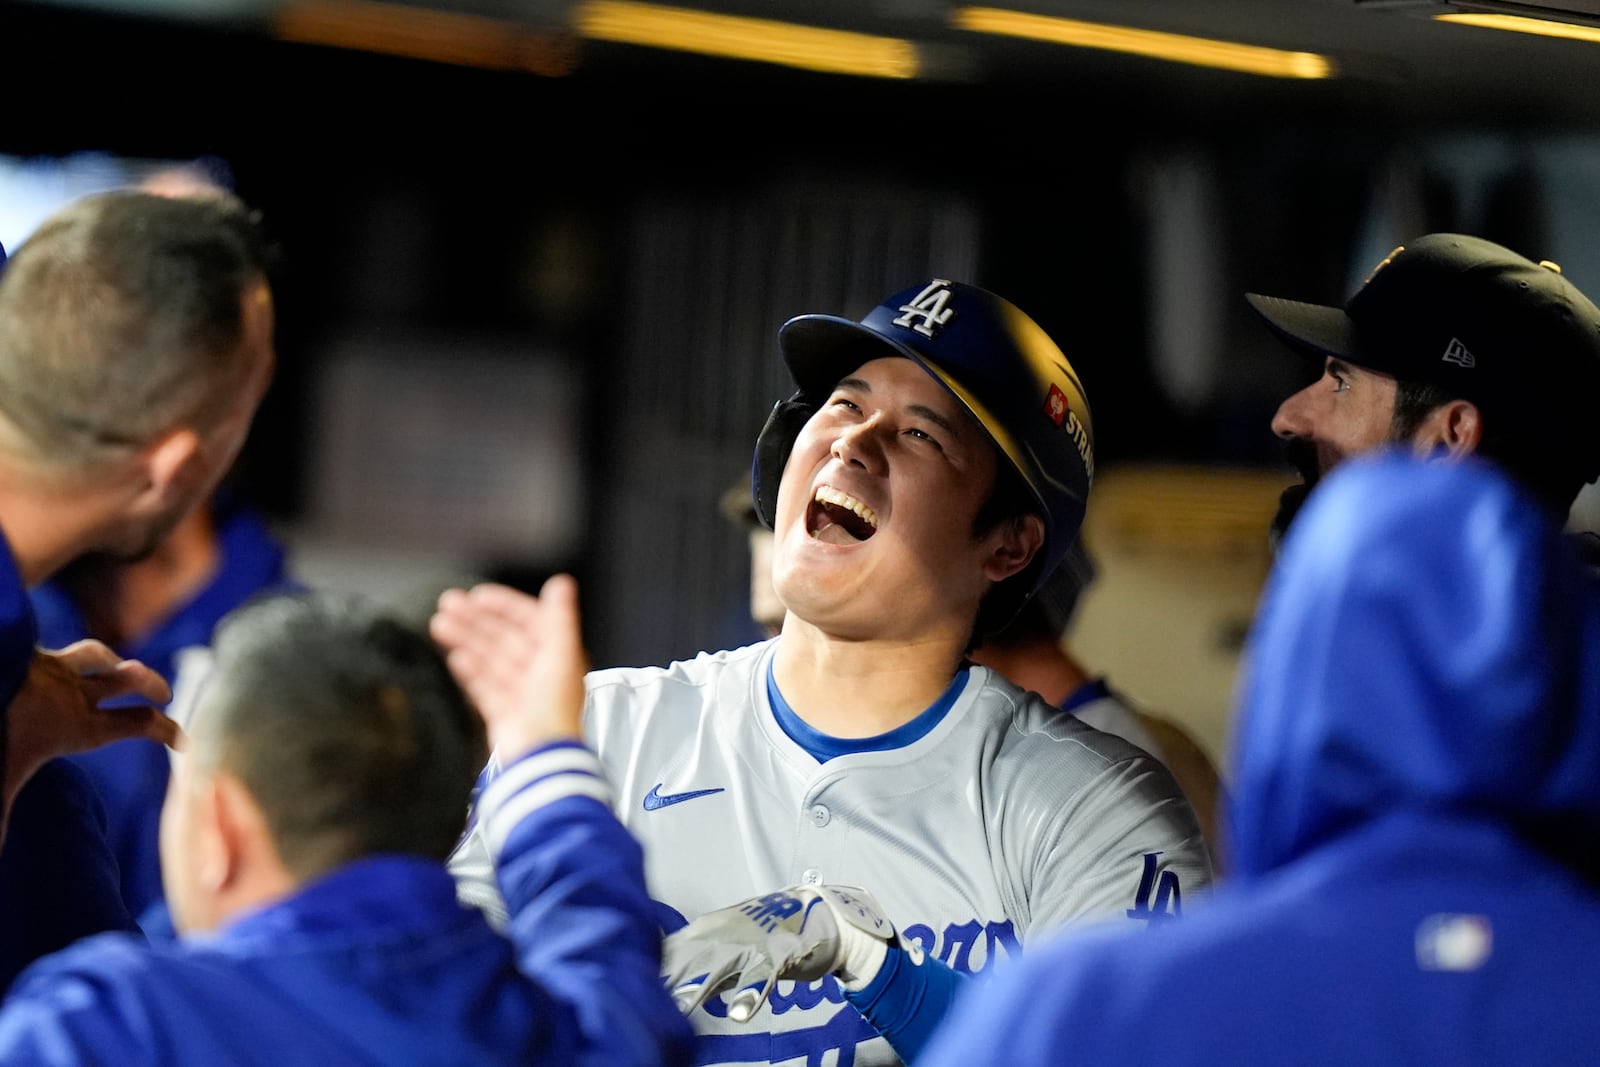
{"type": "Point", "coordinates": [801, 933]}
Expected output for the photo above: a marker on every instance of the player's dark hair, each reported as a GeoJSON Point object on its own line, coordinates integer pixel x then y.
{"type": "Point", "coordinates": [1551, 478]}
{"type": "Point", "coordinates": [1010, 501]}
{"type": "Point", "coordinates": [345, 725]}
{"type": "Point", "coordinates": [1413, 400]}
{"type": "Point", "coordinates": [1030, 623]}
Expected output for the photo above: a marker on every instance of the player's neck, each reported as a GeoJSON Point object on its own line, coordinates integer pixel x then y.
{"type": "Point", "coordinates": [852, 689]}
{"type": "Point", "coordinates": [125, 602]}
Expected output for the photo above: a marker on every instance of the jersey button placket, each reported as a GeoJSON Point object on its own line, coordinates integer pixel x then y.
{"type": "Point", "coordinates": [819, 816]}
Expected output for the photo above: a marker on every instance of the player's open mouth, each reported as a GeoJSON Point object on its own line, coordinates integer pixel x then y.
{"type": "Point", "coordinates": [839, 518]}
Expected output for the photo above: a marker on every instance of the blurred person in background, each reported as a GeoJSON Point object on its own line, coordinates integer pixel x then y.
{"type": "Point", "coordinates": [1414, 846]}
{"type": "Point", "coordinates": [765, 609]}
{"type": "Point", "coordinates": [135, 346]}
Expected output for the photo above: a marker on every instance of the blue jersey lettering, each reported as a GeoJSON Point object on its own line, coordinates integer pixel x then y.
{"type": "Point", "coordinates": [1167, 902]}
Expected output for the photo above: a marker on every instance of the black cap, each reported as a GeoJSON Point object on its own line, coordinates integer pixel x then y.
{"type": "Point", "coordinates": [1480, 321]}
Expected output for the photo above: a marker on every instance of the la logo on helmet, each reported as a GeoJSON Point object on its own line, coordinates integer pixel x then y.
{"type": "Point", "coordinates": [931, 306]}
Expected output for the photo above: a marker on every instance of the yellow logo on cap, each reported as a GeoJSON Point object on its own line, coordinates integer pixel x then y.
{"type": "Point", "coordinates": [1388, 259]}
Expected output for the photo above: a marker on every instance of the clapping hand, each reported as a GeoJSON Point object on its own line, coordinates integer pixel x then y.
{"type": "Point", "coordinates": [519, 658]}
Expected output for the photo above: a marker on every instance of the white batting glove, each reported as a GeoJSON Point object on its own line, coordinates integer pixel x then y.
{"type": "Point", "coordinates": [802, 933]}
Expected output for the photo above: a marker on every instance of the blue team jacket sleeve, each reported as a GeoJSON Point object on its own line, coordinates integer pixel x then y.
{"type": "Point", "coordinates": [907, 1000]}
{"type": "Point", "coordinates": [580, 916]}
{"type": "Point", "coordinates": [58, 878]}
{"type": "Point", "coordinates": [18, 634]}
{"type": "Point", "coordinates": [19, 630]}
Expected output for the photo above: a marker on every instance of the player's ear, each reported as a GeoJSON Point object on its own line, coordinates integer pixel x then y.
{"type": "Point", "coordinates": [1012, 546]}
{"type": "Point", "coordinates": [213, 865]}
{"type": "Point", "coordinates": [1454, 429]}
{"type": "Point", "coordinates": [170, 465]}
{"type": "Point", "coordinates": [243, 846]}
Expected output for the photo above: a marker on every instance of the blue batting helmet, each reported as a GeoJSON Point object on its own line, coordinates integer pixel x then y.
{"type": "Point", "coordinates": [994, 359]}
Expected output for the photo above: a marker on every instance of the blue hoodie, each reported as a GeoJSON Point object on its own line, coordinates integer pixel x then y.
{"type": "Point", "coordinates": [1414, 819]}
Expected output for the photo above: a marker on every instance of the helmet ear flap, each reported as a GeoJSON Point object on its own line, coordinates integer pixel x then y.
{"type": "Point", "coordinates": [772, 452]}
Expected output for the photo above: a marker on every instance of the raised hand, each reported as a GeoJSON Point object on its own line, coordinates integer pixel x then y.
{"type": "Point", "coordinates": [519, 658]}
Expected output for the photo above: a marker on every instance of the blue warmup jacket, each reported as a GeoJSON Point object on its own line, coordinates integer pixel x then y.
{"type": "Point", "coordinates": [377, 962]}
{"type": "Point", "coordinates": [1415, 814]}
{"type": "Point", "coordinates": [131, 776]}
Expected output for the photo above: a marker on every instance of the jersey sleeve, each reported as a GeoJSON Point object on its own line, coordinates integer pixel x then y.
{"type": "Point", "coordinates": [1126, 846]}
{"type": "Point", "coordinates": [572, 878]}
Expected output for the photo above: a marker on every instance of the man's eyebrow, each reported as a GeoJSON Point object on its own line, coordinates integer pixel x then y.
{"type": "Point", "coordinates": [922, 411]}
{"type": "Point", "coordinates": [1338, 366]}
{"type": "Point", "coordinates": [937, 418]}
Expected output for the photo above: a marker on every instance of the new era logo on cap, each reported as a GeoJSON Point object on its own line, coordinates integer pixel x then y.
{"type": "Point", "coordinates": [1456, 352]}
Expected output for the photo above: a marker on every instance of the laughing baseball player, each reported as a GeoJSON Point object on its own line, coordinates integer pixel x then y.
{"type": "Point", "coordinates": [842, 821]}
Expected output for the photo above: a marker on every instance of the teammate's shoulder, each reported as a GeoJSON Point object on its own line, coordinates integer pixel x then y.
{"type": "Point", "coordinates": [111, 960]}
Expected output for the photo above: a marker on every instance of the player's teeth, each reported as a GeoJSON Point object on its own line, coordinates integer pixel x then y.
{"type": "Point", "coordinates": [827, 494]}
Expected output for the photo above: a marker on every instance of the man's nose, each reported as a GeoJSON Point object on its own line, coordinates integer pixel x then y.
{"type": "Point", "coordinates": [861, 443]}
{"type": "Point", "coordinates": [1291, 419]}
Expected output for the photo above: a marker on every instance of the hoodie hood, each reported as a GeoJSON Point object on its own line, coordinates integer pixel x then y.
{"type": "Point", "coordinates": [1428, 642]}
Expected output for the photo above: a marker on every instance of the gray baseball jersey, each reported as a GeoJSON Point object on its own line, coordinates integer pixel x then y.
{"type": "Point", "coordinates": [1111, 715]}
{"type": "Point", "coordinates": [1005, 819]}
